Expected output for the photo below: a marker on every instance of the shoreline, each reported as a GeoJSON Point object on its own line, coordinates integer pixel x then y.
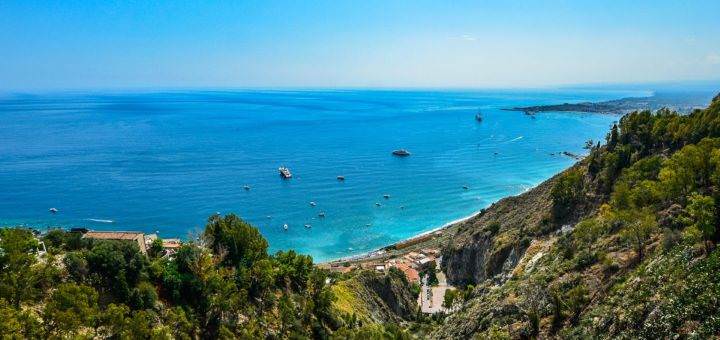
{"type": "Point", "coordinates": [415, 239]}
{"type": "Point", "coordinates": [421, 238]}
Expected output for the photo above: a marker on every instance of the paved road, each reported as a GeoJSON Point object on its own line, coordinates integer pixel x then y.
{"type": "Point", "coordinates": [431, 298]}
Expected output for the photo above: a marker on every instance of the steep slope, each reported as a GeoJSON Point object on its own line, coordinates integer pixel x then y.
{"type": "Point", "coordinates": [620, 245]}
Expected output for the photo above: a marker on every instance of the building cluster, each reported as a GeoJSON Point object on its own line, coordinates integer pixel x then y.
{"type": "Point", "coordinates": [411, 264]}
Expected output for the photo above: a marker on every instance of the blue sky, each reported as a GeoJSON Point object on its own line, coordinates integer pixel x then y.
{"type": "Point", "coordinates": [169, 44]}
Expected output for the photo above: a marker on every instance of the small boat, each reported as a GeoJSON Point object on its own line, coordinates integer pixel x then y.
{"type": "Point", "coordinates": [401, 152]}
{"type": "Point", "coordinates": [402, 207]}
{"type": "Point", "coordinates": [321, 214]}
{"type": "Point", "coordinates": [308, 226]}
{"type": "Point", "coordinates": [53, 210]}
{"type": "Point", "coordinates": [268, 217]}
{"type": "Point", "coordinates": [465, 187]}
{"type": "Point", "coordinates": [285, 226]}
{"type": "Point", "coordinates": [367, 225]}
{"type": "Point", "coordinates": [340, 178]}
{"type": "Point", "coordinates": [312, 204]}
{"type": "Point", "coordinates": [377, 204]}
{"type": "Point", "coordinates": [247, 187]}
{"type": "Point", "coordinates": [285, 172]}
{"type": "Point", "coordinates": [386, 196]}
{"type": "Point", "coordinates": [478, 116]}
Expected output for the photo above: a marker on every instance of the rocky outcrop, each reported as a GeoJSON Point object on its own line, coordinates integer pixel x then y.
{"type": "Point", "coordinates": [378, 298]}
{"type": "Point", "coordinates": [489, 245]}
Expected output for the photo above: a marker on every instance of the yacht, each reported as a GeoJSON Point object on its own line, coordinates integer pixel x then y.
{"type": "Point", "coordinates": [386, 196]}
{"type": "Point", "coordinates": [308, 226]}
{"type": "Point", "coordinates": [401, 152]}
{"type": "Point", "coordinates": [312, 204]}
{"type": "Point", "coordinates": [53, 210]}
{"type": "Point", "coordinates": [285, 226]}
{"type": "Point", "coordinates": [285, 172]}
{"type": "Point", "coordinates": [247, 187]}
{"type": "Point", "coordinates": [340, 178]}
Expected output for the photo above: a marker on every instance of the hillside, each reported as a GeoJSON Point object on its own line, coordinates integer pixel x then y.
{"type": "Point", "coordinates": [620, 245]}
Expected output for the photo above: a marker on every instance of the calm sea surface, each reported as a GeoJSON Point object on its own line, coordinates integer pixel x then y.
{"type": "Point", "coordinates": [165, 161]}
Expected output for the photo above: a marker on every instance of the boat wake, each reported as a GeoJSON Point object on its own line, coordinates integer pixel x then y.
{"type": "Point", "coordinates": [99, 220]}
{"type": "Point", "coordinates": [515, 139]}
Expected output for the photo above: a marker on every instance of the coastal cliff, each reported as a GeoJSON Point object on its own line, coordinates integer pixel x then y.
{"type": "Point", "coordinates": [489, 245]}
{"type": "Point", "coordinates": [612, 247]}
{"type": "Point", "coordinates": [376, 298]}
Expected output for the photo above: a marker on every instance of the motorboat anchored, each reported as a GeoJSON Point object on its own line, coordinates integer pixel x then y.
{"type": "Point", "coordinates": [401, 152]}
{"type": "Point", "coordinates": [285, 172]}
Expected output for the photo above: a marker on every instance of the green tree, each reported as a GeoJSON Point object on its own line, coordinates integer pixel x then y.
{"type": "Point", "coordinates": [702, 214]}
{"type": "Point", "coordinates": [69, 308]}
{"type": "Point", "coordinates": [239, 243]}
{"type": "Point", "coordinates": [566, 193]}
{"type": "Point", "coordinates": [18, 277]}
{"type": "Point", "coordinates": [156, 248]}
{"type": "Point", "coordinates": [639, 226]}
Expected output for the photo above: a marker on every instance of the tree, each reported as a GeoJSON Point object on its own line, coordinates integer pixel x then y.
{"type": "Point", "coordinates": [238, 242]}
{"type": "Point", "coordinates": [566, 193]}
{"type": "Point", "coordinates": [70, 307]}
{"type": "Point", "coordinates": [18, 277]}
{"type": "Point", "coordinates": [638, 229]}
{"type": "Point", "coordinates": [702, 214]}
{"type": "Point", "coordinates": [612, 138]}
{"type": "Point", "coordinates": [115, 267]}
{"type": "Point", "coordinates": [449, 298]}
{"type": "Point", "coordinates": [156, 248]}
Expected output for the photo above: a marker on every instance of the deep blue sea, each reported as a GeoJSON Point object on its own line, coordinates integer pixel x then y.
{"type": "Point", "coordinates": [165, 161]}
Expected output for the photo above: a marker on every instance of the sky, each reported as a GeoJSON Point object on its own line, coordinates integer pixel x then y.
{"type": "Point", "coordinates": [416, 44]}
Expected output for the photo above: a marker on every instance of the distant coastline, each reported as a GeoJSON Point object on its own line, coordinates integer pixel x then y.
{"type": "Point", "coordinates": [621, 106]}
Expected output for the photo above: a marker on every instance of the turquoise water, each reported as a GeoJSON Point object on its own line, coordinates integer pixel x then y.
{"type": "Point", "coordinates": [165, 161]}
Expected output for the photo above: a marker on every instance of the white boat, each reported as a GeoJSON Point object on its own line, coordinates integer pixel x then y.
{"type": "Point", "coordinates": [247, 187]}
{"type": "Point", "coordinates": [285, 226]}
{"type": "Point", "coordinates": [341, 178]}
{"type": "Point", "coordinates": [321, 214]}
{"type": "Point", "coordinates": [386, 196]}
{"type": "Point", "coordinates": [312, 204]}
{"type": "Point", "coordinates": [377, 204]}
{"type": "Point", "coordinates": [308, 226]}
{"type": "Point", "coordinates": [53, 210]}
{"type": "Point", "coordinates": [285, 172]}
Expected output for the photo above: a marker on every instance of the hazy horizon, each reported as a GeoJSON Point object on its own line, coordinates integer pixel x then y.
{"type": "Point", "coordinates": [466, 45]}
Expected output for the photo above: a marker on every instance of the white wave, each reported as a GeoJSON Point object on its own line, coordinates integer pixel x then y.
{"type": "Point", "coordinates": [99, 220]}
{"type": "Point", "coordinates": [515, 139]}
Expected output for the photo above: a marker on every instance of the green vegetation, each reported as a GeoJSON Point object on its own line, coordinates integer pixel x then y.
{"type": "Point", "coordinates": [225, 286]}
{"type": "Point", "coordinates": [638, 258]}
{"type": "Point", "coordinates": [622, 245]}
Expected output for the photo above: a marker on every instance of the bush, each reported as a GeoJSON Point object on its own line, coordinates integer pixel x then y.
{"type": "Point", "coordinates": [566, 193]}
{"type": "Point", "coordinates": [585, 259]}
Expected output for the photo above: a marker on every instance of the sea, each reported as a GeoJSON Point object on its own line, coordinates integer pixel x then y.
{"type": "Point", "coordinates": [164, 161]}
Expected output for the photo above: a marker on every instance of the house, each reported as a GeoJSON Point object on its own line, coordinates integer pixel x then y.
{"type": "Point", "coordinates": [171, 244]}
{"type": "Point", "coordinates": [131, 236]}
{"type": "Point", "coordinates": [412, 275]}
